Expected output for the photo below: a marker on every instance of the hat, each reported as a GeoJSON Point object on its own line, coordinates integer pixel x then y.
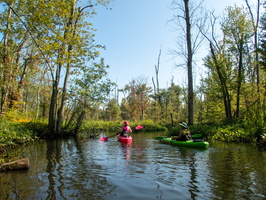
{"type": "Point", "coordinates": [125, 122]}
{"type": "Point", "coordinates": [183, 124]}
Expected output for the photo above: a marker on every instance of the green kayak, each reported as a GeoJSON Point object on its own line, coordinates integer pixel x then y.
{"type": "Point", "coordinates": [189, 143]}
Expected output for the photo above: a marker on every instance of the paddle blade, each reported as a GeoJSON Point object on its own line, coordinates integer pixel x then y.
{"type": "Point", "coordinates": [196, 135]}
{"type": "Point", "coordinates": [104, 139]}
{"type": "Point", "coordinates": [139, 127]}
{"type": "Point", "coordinates": [159, 138]}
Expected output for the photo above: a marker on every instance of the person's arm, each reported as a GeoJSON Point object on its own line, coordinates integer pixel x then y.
{"type": "Point", "coordinates": [180, 133]}
{"type": "Point", "coordinates": [120, 131]}
{"type": "Point", "coordinates": [129, 129]}
{"type": "Point", "coordinates": [188, 132]}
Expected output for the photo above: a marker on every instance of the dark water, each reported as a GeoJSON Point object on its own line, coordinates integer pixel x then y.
{"type": "Point", "coordinates": [146, 169]}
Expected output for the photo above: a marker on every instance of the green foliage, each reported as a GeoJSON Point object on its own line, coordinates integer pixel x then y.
{"type": "Point", "coordinates": [149, 125]}
{"type": "Point", "coordinates": [169, 103]}
{"type": "Point", "coordinates": [15, 133]}
{"type": "Point", "coordinates": [53, 43]}
{"type": "Point", "coordinates": [233, 134]}
{"type": "Point", "coordinates": [225, 133]}
{"type": "Point", "coordinates": [114, 126]}
{"type": "Point", "coordinates": [112, 111]}
{"type": "Point", "coordinates": [14, 115]}
{"type": "Point", "coordinates": [93, 87]}
{"type": "Point", "coordinates": [204, 130]}
{"type": "Point", "coordinates": [174, 131]}
{"type": "Point", "coordinates": [101, 125]}
{"type": "Point", "coordinates": [137, 101]}
{"type": "Point", "coordinates": [262, 49]}
{"type": "Point", "coordinates": [37, 128]}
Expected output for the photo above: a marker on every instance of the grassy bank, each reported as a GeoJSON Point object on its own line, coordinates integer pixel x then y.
{"type": "Point", "coordinates": [228, 133]}
{"type": "Point", "coordinates": [21, 132]}
{"type": "Point", "coordinates": [115, 126]}
{"type": "Point", "coordinates": [17, 133]}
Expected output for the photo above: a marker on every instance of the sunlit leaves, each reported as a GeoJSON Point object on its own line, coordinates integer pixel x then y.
{"type": "Point", "coordinates": [237, 28]}
{"type": "Point", "coordinates": [93, 86]}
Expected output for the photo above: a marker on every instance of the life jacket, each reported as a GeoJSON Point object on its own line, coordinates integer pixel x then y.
{"type": "Point", "coordinates": [125, 128]}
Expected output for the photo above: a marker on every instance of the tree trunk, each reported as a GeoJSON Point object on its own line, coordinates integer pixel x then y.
{"type": "Point", "coordinates": [154, 89]}
{"type": "Point", "coordinates": [53, 104]}
{"type": "Point", "coordinates": [157, 77]}
{"type": "Point", "coordinates": [189, 66]}
{"type": "Point", "coordinates": [239, 79]}
{"type": "Point", "coordinates": [226, 97]}
{"type": "Point", "coordinates": [63, 99]}
{"type": "Point", "coordinates": [79, 122]}
{"type": "Point", "coordinates": [6, 62]}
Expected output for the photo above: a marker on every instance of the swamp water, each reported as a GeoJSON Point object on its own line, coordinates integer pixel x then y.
{"type": "Point", "coordinates": [85, 168]}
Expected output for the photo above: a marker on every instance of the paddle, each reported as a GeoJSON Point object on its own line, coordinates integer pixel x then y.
{"type": "Point", "coordinates": [196, 135]}
{"type": "Point", "coordinates": [106, 138]}
{"type": "Point", "coordinates": [159, 138]}
{"type": "Point", "coordinates": [139, 127]}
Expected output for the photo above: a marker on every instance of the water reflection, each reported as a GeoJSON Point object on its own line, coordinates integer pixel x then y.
{"type": "Point", "coordinates": [237, 172]}
{"type": "Point", "coordinates": [71, 172]}
{"type": "Point", "coordinates": [183, 171]}
{"type": "Point", "coordinates": [83, 168]}
{"type": "Point", "coordinates": [126, 149]}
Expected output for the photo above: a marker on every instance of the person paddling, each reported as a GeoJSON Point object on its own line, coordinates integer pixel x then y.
{"type": "Point", "coordinates": [125, 130]}
{"type": "Point", "coordinates": [184, 133]}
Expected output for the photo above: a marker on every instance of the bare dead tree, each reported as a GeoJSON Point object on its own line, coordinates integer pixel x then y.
{"type": "Point", "coordinates": [189, 18]}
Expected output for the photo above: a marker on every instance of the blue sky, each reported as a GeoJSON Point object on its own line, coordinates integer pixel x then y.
{"type": "Point", "coordinates": [133, 32]}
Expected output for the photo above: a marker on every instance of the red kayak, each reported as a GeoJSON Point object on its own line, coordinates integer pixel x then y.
{"type": "Point", "coordinates": [124, 139]}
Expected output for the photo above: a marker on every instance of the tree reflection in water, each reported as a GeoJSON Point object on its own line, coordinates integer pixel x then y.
{"type": "Point", "coordinates": [71, 172]}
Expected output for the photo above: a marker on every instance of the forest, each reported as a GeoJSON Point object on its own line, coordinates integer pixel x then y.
{"type": "Point", "coordinates": [54, 82]}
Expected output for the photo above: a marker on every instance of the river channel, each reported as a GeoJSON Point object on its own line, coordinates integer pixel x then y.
{"type": "Point", "coordinates": [85, 168]}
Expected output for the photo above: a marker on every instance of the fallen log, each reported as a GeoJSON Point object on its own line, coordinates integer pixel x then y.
{"type": "Point", "coordinates": [15, 165]}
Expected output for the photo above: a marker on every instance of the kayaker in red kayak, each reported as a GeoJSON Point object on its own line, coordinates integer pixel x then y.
{"type": "Point", "coordinates": [125, 130]}
{"type": "Point", "coordinates": [184, 133]}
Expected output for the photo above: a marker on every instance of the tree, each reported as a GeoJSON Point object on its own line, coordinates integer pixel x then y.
{"type": "Point", "coordinates": [237, 30]}
{"type": "Point", "coordinates": [112, 111]}
{"type": "Point", "coordinates": [156, 86]}
{"type": "Point", "coordinates": [231, 74]}
{"type": "Point", "coordinates": [68, 38]}
{"type": "Point", "coordinates": [51, 37]}
{"type": "Point", "coordinates": [218, 83]}
{"type": "Point", "coordinates": [171, 103]}
{"type": "Point", "coordinates": [90, 91]}
{"type": "Point", "coordinates": [255, 24]}
{"type": "Point", "coordinates": [15, 62]}
{"type": "Point", "coordinates": [262, 62]}
{"type": "Point", "coordinates": [137, 100]}
{"type": "Point", "coordinates": [190, 18]}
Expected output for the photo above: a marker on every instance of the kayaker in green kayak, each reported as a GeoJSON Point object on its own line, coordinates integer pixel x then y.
{"type": "Point", "coordinates": [184, 133]}
{"type": "Point", "coordinates": [125, 130]}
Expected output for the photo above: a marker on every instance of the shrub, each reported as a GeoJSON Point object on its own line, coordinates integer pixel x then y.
{"type": "Point", "coordinates": [14, 133]}
{"type": "Point", "coordinates": [233, 134]}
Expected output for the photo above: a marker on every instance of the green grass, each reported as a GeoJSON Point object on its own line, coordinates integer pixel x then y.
{"type": "Point", "coordinates": [15, 133]}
